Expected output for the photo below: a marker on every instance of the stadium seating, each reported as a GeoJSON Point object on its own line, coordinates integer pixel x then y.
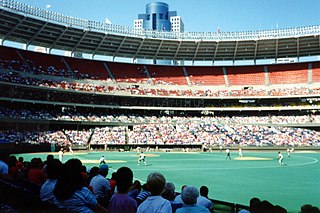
{"type": "Point", "coordinates": [202, 75]}
{"type": "Point", "coordinates": [87, 69]}
{"type": "Point", "coordinates": [283, 73]}
{"type": "Point", "coordinates": [246, 75]}
{"type": "Point", "coordinates": [167, 75]}
{"type": "Point", "coordinates": [316, 72]}
{"type": "Point", "coordinates": [128, 73]}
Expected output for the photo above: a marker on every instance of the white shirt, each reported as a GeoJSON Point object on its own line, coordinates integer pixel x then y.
{"type": "Point", "coordinates": [155, 204]}
{"type": "Point", "coordinates": [203, 201]}
{"type": "Point", "coordinates": [280, 156]}
{"type": "Point", "coordinates": [142, 156]}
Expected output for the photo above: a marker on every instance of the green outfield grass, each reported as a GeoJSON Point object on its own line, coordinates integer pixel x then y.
{"type": "Point", "coordinates": [257, 174]}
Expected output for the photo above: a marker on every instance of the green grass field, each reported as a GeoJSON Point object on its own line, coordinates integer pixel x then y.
{"type": "Point", "coordinates": [257, 174]}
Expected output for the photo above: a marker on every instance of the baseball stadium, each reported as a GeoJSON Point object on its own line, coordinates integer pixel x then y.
{"type": "Point", "coordinates": [243, 131]}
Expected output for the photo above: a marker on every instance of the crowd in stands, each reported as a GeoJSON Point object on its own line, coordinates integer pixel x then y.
{"type": "Point", "coordinates": [170, 130]}
{"type": "Point", "coordinates": [66, 80]}
{"type": "Point", "coordinates": [114, 135]}
{"type": "Point", "coordinates": [72, 187]}
{"type": "Point", "coordinates": [30, 66]}
{"type": "Point", "coordinates": [71, 114]}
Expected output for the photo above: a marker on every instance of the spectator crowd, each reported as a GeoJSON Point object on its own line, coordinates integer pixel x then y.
{"type": "Point", "coordinates": [73, 187]}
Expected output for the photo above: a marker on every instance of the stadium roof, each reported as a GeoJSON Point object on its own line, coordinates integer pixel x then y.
{"type": "Point", "coordinates": [34, 26]}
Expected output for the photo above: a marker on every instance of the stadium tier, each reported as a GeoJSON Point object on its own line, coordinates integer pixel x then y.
{"type": "Point", "coordinates": [35, 26]}
{"type": "Point", "coordinates": [153, 77]}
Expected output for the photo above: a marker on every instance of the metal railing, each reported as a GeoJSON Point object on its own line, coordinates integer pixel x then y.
{"type": "Point", "coordinates": [25, 9]}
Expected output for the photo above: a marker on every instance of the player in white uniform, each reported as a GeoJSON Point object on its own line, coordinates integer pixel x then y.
{"type": "Point", "coordinates": [240, 152]}
{"type": "Point", "coordinates": [228, 154]}
{"type": "Point", "coordinates": [280, 157]}
{"type": "Point", "coordinates": [142, 157]}
{"type": "Point", "coordinates": [60, 153]}
{"type": "Point", "coordinates": [289, 152]}
{"type": "Point", "coordinates": [102, 160]}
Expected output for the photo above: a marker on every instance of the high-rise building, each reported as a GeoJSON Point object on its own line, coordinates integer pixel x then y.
{"type": "Point", "coordinates": [176, 24]}
{"type": "Point", "coordinates": [158, 17]}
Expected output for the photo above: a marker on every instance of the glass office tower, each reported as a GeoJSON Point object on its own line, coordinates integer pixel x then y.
{"type": "Point", "coordinates": [158, 17]}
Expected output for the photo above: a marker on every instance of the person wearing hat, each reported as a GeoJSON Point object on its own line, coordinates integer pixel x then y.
{"type": "Point", "coordinates": [101, 186]}
{"type": "Point", "coordinates": [189, 196]}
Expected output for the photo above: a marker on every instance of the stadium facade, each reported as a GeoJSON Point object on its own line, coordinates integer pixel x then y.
{"type": "Point", "coordinates": [34, 26]}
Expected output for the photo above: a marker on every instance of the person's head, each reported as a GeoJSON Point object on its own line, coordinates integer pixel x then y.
{"type": "Point", "coordinates": [136, 185]}
{"type": "Point", "coordinates": [104, 170]}
{"type": "Point", "coordinates": [189, 195]}
{"type": "Point", "coordinates": [50, 157]}
{"type": "Point", "coordinates": [54, 168]}
{"type": "Point", "coordinates": [169, 191]}
{"type": "Point", "coordinates": [113, 176]}
{"type": "Point", "coordinates": [307, 208]}
{"type": "Point", "coordinates": [265, 207]}
{"type": "Point", "coordinates": [254, 203]}
{"type": "Point", "coordinates": [12, 161]}
{"type": "Point", "coordinates": [182, 187]}
{"type": "Point", "coordinates": [124, 177]}
{"type": "Point", "coordinates": [70, 180]}
{"type": "Point", "coordinates": [156, 183]}
{"type": "Point", "coordinates": [94, 171]}
{"type": "Point", "coordinates": [21, 159]}
{"type": "Point", "coordinates": [204, 191]}
{"type": "Point", "coordinates": [36, 163]}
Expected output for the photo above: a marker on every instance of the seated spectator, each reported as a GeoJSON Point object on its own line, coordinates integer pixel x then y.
{"type": "Point", "coordinates": [254, 203]}
{"type": "Point", "coordinates": [155, 203]}
{"type": "Point", "coordinates": [135, 189]}
{"type": "Point", "coordinates": [170, 194]}
{"type": "Point", "coordinates": [36, 174]}
{"type": "Point", "coordinates": [53, 170]}
{"type": "Point", "coordinates": [101, 186]}
{"type": "Point", "coordinates": [70, 192]}
{"type": "Point", "coordinates": [203, 199]}
{"type": "Point", "coordinates": [93, 172]}
{"type": "Point", "coordinates": [189, 196]}
{"type": "Point", "coordinates": [20, 162]}
{"type": "Point", "coordinates": [178, 197]}
{"type": "Point", "coordinates": [307, 208]}
{"type": "Point", "coordinates": [143, 195]}
{"type": "Point", "coordinates": [49, 158]}
{"type": "Point", "coordinates": [120, 202]}
{"type": "Point", "coordinates": [113, 181]}
{"type": "Point", "coordinates": [265, 207]}
{"type": "Point", "coordinates": [13, 168]}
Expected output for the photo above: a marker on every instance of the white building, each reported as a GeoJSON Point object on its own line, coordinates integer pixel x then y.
{"type": "Point", "coordinates": [138, 24]}
{"type": "Point", "coordinates": [176, 24]}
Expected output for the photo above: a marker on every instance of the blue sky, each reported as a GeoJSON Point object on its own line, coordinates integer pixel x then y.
{"type": "Point", "coordinates": [197, 15]}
